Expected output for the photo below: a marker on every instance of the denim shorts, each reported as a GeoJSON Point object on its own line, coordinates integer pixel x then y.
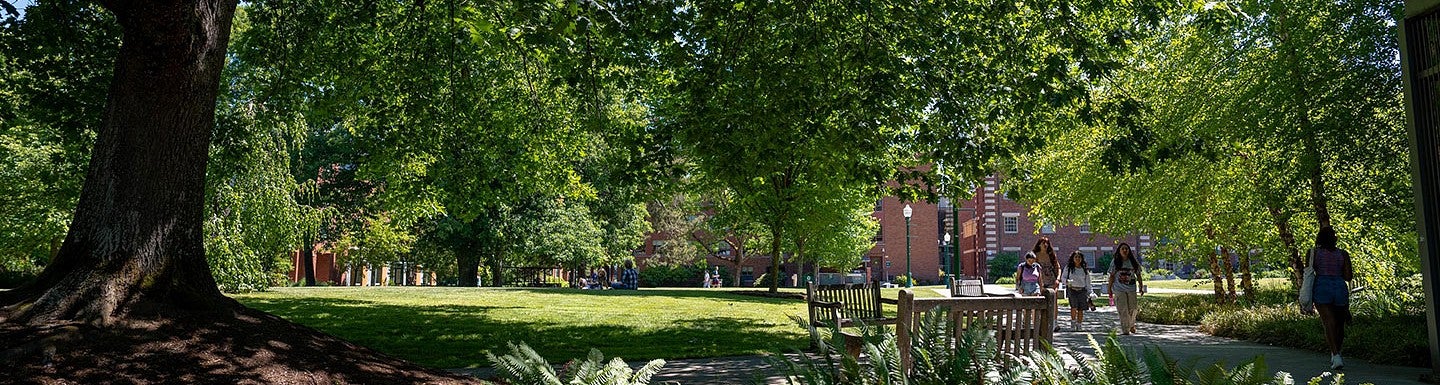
{"type": "Point", "coordinates": [1029, 288]}
{"type": "Point", "coordinates": [1331, 290]}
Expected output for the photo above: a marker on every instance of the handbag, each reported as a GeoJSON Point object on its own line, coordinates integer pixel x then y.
{"type": "Point", "coordinates": [1307, 284]}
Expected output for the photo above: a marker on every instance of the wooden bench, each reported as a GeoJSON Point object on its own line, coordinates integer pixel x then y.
{"type": "Point", "coordinates": [847, 305]}
{"type": "Point", "coordinates": [1021, 323]}
{"type": "Point", "coordinates": [967, 287]}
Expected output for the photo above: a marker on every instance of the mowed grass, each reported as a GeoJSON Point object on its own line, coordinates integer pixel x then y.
{"type": "Point", "coordinates": [452, 327]}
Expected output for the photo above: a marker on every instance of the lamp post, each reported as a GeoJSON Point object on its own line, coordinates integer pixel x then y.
{"type": "Point", "coordinates": [909, 277]}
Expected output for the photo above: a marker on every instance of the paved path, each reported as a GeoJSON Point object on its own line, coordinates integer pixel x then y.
{"type": "Point", "coordinates": [1187, 344]}
{"type": "Point", "coordinates": [1183, 343]}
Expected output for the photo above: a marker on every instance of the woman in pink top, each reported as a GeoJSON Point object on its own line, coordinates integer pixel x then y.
{"type": "Point", "coordinates": [1331, 293]}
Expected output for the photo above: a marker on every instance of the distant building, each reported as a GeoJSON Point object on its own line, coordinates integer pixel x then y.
{"type": "Point", "coordinates": [993, 224]}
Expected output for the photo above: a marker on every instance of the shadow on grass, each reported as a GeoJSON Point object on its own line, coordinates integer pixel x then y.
{"type": "Point", "coordinates": [671, 293]}
{"type": "Point", "coordinates": [454, 336]}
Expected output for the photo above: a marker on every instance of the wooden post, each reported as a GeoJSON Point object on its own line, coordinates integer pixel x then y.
{"type": "Point", "coordinates": [905, 320]}
{"type": "Point", "coordinates": [1047, 330]}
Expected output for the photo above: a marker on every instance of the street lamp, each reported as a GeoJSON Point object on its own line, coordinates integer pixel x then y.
{"type": "Point", "coordinates": [909, 277]}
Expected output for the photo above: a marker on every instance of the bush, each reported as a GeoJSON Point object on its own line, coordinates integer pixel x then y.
{"type": "Point", "coordinates": [672, 276]}
{"type": "Point", "coordinates": [1273, 318]}
{"type": "Point", "coordinates": [902, 280]}
{"type": "Point", "coordinates": [1159, 272]}
{"type": "Point", "coordinates": [763, 280]}
{"type": "Point", "coordinates": [1005, 281]}
{"type": "Point", "coordinates": [1003, 265]}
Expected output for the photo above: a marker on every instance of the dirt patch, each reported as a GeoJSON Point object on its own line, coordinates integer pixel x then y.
{"type": "Point", "coordinates": [246, 347]}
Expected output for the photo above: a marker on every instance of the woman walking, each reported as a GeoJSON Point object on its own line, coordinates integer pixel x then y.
{"type": "Point", "coordinates": [1124, 285]}
{"type": "Point", "coordinates": [1077, 289]}
{"type": "Point", "coordinates": [1049, 274]}
{"type": "Point", "coordinates": [1327, 275]}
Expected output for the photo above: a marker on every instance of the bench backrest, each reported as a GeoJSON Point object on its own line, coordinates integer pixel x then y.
{"type": "Point", "coordinates": [1021, 323]}
{"type": "Point", "coordinates": [859, 302]}
{"type": "Point", "coordinates": [967, 287]}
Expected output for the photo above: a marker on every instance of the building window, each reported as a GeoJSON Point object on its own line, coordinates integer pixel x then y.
{"type": "Point", "coordinates": [1085, 228]}
{"type": "Point", "coordinates": [1012, 225]}
{"type": "Point", "coordinates": [724, 248]}
{"type": "Point", "coordinates": [1048, 228]}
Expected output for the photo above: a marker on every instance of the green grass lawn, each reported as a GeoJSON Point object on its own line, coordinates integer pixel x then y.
{"type": "Point", "coordinates": [452, 327]}
{"type": "Point", "coordinates": [1205, 284]}
{"type": "Point", "coordinates": [447, 327]}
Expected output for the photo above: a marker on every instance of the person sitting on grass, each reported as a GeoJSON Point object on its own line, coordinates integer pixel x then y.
{"type": "Point", "coordinates": [629, 279]}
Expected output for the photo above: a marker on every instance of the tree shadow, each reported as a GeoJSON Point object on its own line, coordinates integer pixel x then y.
{"type": "Point", "coordinates": [456, 336]}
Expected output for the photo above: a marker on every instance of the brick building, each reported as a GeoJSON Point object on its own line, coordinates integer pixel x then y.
{"type": "Point", "coordinates": [329, 272]}
{"type": "Point", "coordinates": [992, 224]}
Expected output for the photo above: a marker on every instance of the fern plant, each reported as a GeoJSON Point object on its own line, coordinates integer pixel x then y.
{"type": "Point", "coordinates": [522, 366]}
{"type": "Point", "coordinates": [973, 358]}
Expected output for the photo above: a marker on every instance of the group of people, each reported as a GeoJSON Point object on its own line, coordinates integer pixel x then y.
{"type": "Point", "coordinates": [1042, 270]}
{"type": "Point", "coordinates": [711, 280]}
{"type": "Point", "coordinates": [1325, 288]}
{"type": "Point", "coordinates": [629, 279]}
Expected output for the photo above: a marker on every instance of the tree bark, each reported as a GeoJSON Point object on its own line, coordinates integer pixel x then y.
{"type": "Point", "coordinates": [469, 264]}
{"type": "Point", "coordinates": [135, 247]}
{"type": "Point", "coordinates": [1287, 237]}
{"type": "Point", "coordinates": [1229, 272]}
{"type": "Point", "coordinates": [775, 261]}
{"type": "Point", "coordinates": [307, 261]}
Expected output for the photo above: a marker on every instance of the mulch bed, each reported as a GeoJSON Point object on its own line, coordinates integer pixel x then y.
{"type": "Point", "coordinates": [248, 347]}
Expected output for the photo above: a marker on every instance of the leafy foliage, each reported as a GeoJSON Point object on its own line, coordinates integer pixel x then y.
{"type": "Point", "coordinates": [523, 366]}
{"type": "Point", "coordinates": [972, 358]}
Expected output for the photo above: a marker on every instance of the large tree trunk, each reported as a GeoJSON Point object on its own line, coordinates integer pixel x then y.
{"type": "Point", "coordinates": [775, 261]}
{"type": "Point", "coordinates": [469, 264]}
{"type": "Point", "coordinates": [135, 243]}
{"type": "Point", "coordinates": [497, 263]}
{"type": "Point", "coordinates": [307, 261]}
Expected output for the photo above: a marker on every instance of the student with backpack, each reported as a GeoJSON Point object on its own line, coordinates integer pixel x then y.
{"type": "Point", "coordinates": [1125, 285]}
{"type": "Point", "coordinates": [1027, 276]}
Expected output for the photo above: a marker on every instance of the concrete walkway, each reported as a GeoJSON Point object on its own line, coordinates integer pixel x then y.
{"type": "Point", "coordinates": [1184, 343]}
{"type": "Point", "coordinates": [1189, 345]}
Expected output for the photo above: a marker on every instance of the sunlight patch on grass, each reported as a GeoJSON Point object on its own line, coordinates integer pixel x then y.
{"type": "Point", "coordinates": [452, 327]}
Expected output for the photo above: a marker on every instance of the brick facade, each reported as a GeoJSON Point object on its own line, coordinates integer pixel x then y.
{"type": "Point", "coordinates": [984, 219]}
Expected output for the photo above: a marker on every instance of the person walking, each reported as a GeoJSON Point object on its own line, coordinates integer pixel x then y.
{"type": "Point", "coordinates": [1027, 276]}
{"type": "Point", "coordinates": [1326, 289]}
{"type": "Point", "coordinates": [1077, 289]}
{"type": "Point", "coordinates": [1124, 286]}
{"type": "Point", "coordinates": [706, 280]}
{"type": "Point", "coordinates": [1049, 275]}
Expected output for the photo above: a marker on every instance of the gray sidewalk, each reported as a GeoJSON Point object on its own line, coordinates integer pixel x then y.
{"type": "Point", "coordinates": [1189, 345]}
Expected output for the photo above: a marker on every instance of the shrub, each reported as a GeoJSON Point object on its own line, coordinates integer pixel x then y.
{"type": "Point", "coordinates": [901, 280]}
{"type": "Point", "coordinates": [1273, 318]}
{"type": "Point", "coordinates": [1184, 309]}
{"type": "Point", "coordinates": [1005, 281]}
{"type": "Point", "coordinates": [1159, 272]}
{"type": "Point", "coordinates": [763, 280]}
{"type": "Point", "coordinates": [672, 276]}
{"type": "Point", "coordinates": [1003, 265]}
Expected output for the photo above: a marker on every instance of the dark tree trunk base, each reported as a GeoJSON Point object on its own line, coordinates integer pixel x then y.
{"type": "Point", "coordinates": [240, 346]}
